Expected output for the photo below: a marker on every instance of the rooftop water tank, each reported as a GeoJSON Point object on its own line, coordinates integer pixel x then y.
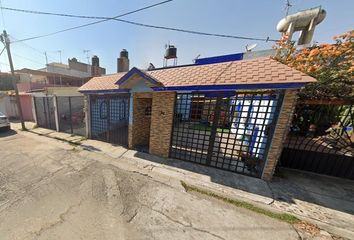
{"type": "Point", "coordinates": [124, 53]}
{"type": "Point", "coordinates": [95, 61]}
{"type": "Point", "coordinates": [171, 52]}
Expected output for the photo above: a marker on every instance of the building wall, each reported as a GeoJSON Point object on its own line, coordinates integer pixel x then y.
{"type": "Point", "coordinates": [280, 133]}
{"type": "Point", "coordinates": [163, 104]}
{"type": "Point", "coordinates": [4, 101]}
{"type": "Point", "coordinates": [8, 105]}
{"type": "Point", "coordinates": [65, 70]}
{"type": "Point", "coordinates": [26, 106]}
{"type": "Point", "coordinates": [63, 91]}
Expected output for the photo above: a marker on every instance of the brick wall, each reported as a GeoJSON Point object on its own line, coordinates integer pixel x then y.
{"type": "Point", "coordinates": [280, 133]}
{"type": "Point", "coordinates": [141, 122]}
{"type": "Point", "coordinates": [163, 104]}
{"type": "Point", "coordinates": [139, 130]}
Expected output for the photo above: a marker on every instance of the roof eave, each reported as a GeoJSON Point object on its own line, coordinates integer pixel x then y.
{"type": "Point", "coordinates": [233, 87]}
{"type": "Point", "coordinates": [98, 91]}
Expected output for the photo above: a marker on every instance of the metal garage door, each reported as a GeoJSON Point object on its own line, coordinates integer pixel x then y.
{"type": "Point", "coordinates": [109, 118]}
{"type": "Point", "coordinates": [45, 112]}
{"type": "Point", "coordinates": [228, 130]}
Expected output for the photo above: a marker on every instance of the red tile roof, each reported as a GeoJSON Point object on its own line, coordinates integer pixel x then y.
{"type": "Point", "coordinates": [253, 71]}
{"type": "Point", "coordinates": [106, 82]}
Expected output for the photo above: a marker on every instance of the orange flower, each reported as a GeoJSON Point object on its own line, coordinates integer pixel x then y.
{"type": "Point", "coordinates": [314, 52]}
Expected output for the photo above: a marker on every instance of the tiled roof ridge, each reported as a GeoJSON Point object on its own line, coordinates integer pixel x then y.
{"type": "Point", "coordinates": [197, 65]}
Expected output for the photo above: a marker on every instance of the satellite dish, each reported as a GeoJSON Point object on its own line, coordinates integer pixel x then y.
{"type": "Point", "coordinates": [250, 47]}
{"type": "Point", "coordinates": [194, 60]}
{"type": "Point", "coordinates": [151, 66]}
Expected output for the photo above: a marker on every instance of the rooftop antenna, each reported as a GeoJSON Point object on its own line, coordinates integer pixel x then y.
{"type": "Point", "coordinates": [86, 52]}
{"type": "Point", "coordinates": [288, 5]}
{"type": "Point", "coordinates": [250, 47]}
{"type": "Point", "coordinates": [59, 51]}
{"type": "Point", "coordinates": [46, 59]}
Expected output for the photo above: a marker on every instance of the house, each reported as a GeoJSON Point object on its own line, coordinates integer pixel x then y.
{"type": "Point", "coordinates": [230, 115]}
{"type": "Point", "coordinates": [56, 79]}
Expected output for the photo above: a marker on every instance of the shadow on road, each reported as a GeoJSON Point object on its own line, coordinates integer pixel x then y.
{"type": "Point", "coordinates": [7, 132]}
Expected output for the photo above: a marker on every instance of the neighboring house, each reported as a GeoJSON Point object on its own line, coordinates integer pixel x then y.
{"type": "Point", "coordinates": [6, 81]}
{"type": "Point", "coordinates": [36, 79]}
{"type": "Point", "coordinates": [56, 80]}
{"type": "Point", "coordinates": [9, 107]}
{"type": "Point", "coordinates": [231, 115]}
{"type": "Point", "coordinates": [74, 73]}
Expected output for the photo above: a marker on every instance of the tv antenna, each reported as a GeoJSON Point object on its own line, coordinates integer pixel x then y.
{"type": "Point", "coordinates": [250, 47]}
{"type": "Point", "coordinates": [59, 51]}
{"type": "Point", "coordinates": [195, 59]}
{"type": "Point", "coordinates": [288, 5]}
{"type": "Point", "coordinates": [86, 52]}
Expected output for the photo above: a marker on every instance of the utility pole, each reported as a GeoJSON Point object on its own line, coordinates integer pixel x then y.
{"type": "Point", "coordinates": [6, 41]}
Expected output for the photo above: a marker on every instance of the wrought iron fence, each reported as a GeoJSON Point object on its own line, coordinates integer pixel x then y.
{"type": "Point", "coordinates": [45, 112]}
{"type": "Point", "coordinates": [321, 140]}
{"type": "Point", "coordinates": [71, 116]}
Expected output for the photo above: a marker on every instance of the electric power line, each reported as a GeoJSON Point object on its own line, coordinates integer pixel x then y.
{"type": "Point", "coordinates": [84, 25]}
{"type": "Point", "coordinates": [42, 53]}
{"type": "Point", "coordinates": [29, 59]}
{"type": "Point", "coordinates": [103, 19]}
{"type": "Point", "coordinates": [2, 15]}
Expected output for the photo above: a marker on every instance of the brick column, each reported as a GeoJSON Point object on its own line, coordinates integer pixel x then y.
{"type": "Point", "coordinates": [280, 133]}
{"type": "Point", "coordinates": [130, 136]}
{"type": "Point", "coordinates": [139, 128]}
{"type": "Point", "coordinates": [163, 104]}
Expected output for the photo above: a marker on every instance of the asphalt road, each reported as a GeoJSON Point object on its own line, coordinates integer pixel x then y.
{"type": "Point", "coordinates": [51, 190]}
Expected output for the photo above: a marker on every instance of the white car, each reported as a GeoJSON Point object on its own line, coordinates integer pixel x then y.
{"type": "Point", "coordinates": [4, 121]}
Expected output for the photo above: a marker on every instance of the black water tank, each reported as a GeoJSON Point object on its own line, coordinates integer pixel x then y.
{"type": "Point", "coordinates": [124, 53]}
{"type": "Point", "coordinates": [95, 61]}
{"type": "Point", "coordinates": [171, 52]}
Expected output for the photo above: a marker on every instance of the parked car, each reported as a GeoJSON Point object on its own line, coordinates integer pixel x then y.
{"type": "Point", "coordinates": [4, 121]}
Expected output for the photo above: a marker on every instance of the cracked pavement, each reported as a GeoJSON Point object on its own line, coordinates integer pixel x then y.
{"type": "Point", "coordinates": [50, 190]}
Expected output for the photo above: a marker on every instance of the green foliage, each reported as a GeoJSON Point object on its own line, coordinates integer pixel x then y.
{"type": "Point", "coordinates": [285, 217]}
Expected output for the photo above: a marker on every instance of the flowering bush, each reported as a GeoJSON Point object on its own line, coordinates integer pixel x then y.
{"type": "Point", "coordinates": [331, 64]}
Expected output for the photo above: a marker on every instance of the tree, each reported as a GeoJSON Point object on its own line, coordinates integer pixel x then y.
{"type": "Point", "coordinates": [331, 64]}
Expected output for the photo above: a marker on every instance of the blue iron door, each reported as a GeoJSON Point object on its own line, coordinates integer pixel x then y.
{"type": "Point", "coordinates": [110, 118]}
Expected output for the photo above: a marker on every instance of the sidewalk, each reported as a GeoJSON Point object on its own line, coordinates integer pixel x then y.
{"type": "Point", "coordinates": [325, 201]}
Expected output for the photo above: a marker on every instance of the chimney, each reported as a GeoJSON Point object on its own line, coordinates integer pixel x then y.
{"type": "Point", "coordinates": [123, 61]}
{"type": "Point", "coordinates": [95, 68]}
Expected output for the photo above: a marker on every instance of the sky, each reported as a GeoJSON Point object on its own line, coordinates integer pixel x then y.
{"type": "Point", "coordinates": [249, 18]}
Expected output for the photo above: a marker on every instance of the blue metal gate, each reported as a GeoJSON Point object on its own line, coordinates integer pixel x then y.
{"type": "Point", "coordinates": [227, 130]}
{"type": "Point", "coordinates": [109, 118]}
